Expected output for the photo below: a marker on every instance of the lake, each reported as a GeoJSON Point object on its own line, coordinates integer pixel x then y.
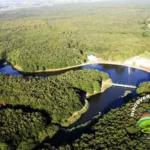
{"type": "Point", "coordinates": [105, 101]}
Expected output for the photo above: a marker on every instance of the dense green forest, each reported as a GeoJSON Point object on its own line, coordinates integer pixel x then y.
{"type": "Point", "coordinates": [54, 37]}
{"type": "Point", "coordinates": [78, 79]}
{"type": "Point", "coordinates": [143, 88]}
{"type": "Point", "coordinates": [18, 126]}
{"type": "Point", "coordinates": [43, 94]}
{"type": "Point", "coordinates": [36, 107]}
{"type": "Point", "coordinates": [53, 94]}
{"type": "Point", "coordinates": [115, 130]}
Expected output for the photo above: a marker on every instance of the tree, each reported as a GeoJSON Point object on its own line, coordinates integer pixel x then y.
{"type": "Point", "coordinates": [96, 86]}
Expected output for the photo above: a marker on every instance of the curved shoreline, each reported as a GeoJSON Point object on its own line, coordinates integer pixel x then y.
{"type": "Point", "coordinates": [105, 85]}
{"type": "Point", "coordinates": [77, 114]}
{"type": "Point", "coordinates": [86, 64]}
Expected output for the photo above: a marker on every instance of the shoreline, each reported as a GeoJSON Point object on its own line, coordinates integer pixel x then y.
{"type": "Point", "coordinates": [77, 114]}
{"type": "Point", "coordinates": [103, 88]}
{"type": "Point", "coordinates": [17, 67]}
{"type": "Point", "coordinates": [105, 85]}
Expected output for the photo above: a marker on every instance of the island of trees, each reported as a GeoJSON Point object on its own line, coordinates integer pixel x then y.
{"type": "Point", "coordinates": [33, 108]}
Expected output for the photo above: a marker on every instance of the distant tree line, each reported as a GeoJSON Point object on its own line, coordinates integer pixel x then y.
{"type": "Point", "coordinates": [46, 41]}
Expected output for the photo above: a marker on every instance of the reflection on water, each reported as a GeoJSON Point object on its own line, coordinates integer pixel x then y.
{"type": "Point", "coordinates": [111, 98]}
{"type": "Point", "coordinates": [104, 102]}
{"type": "Point", "coordinates": [119, 74]}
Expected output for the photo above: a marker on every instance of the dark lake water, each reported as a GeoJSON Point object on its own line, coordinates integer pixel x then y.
{"type": "Point", "coordinates": [109, 99]}
{"type": "Point", "coordinates": [9, 70]}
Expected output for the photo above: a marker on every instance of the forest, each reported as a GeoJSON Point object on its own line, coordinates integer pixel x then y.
{"type": "Point", "coordinates": [60, 36]}
{"type": "Point", "coordinates": [143, 88]}
{"type": "Point", "coordinates": [115, 130]}
{"type": "Point", "coordinates": [78, 79]}
{"type": "Point", "coordinates": [32, 108]}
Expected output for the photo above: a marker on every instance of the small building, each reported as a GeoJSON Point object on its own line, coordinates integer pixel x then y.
{"type": "Point", "coordinates": [92, 58]}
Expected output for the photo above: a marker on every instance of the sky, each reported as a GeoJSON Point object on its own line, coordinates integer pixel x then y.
{"type": "Point", "coordinates": [42, 2]}
{"type": "Point", "coordinates": [14, 3]}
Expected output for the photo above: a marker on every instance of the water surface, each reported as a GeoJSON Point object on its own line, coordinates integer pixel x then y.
{"type": "Point", "coordinates": [109, 99]}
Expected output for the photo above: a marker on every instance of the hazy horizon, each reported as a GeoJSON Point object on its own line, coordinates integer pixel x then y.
{"type": "Point", "coordinates": [12, 4]}
{"type": "Point", "coordinates": [62, 1]}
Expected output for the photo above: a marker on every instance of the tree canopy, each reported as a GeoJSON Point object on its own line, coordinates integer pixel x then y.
{"type": "Point", "coordinates": [33, 108]}
{"type": "Point", "coordinates": [43, 38]}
